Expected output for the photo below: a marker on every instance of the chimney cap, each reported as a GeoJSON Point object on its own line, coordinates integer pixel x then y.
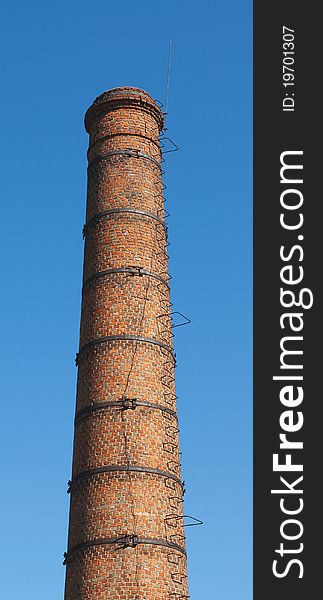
{"type": "Point", "coordinates": [119, 97]}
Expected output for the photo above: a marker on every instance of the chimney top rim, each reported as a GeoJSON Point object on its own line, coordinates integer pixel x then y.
{"type": "Point", "coordinates": [127, 96]}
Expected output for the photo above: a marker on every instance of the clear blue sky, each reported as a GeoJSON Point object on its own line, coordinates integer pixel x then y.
{"type": "Point", "coordinates": [56, 58]}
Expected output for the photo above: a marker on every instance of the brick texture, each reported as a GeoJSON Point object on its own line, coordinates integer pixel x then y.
{"type": "Point", "coordinates": [126, 532]}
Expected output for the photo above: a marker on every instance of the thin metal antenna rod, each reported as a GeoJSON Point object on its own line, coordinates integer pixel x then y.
{"type": "Point", "coordinates": [168, 75]}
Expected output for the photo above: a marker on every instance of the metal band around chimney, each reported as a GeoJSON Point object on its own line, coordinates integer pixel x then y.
{"type": "Point", "coordinates": [113, 211]}
{"type": "Point", "coordinates": [132, 270]}
{"type": "Point", "coordinates": [119, 404]}
{"type": "Point", "coordinates": [123, 134]}
{"type": "Point", "coordinates": [131, 338]}
{"type": "Point", "coordinates": [123, 540]}
{"type": "Point", "coordinates": [121, 469]}
{"type": "Point", "coordinates": [101, 107]}
{"type": "Point", "coordinates": [131, 153]}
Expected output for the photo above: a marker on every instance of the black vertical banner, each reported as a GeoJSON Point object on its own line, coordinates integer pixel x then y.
{"type": "Point", "coordinates": [288, 354]}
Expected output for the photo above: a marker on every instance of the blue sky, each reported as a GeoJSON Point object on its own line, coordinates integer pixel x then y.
{"type": "Point", "coordinates": [56, 58]}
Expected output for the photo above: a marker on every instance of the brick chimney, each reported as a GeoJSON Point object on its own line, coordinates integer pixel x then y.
{"type": "Point", "coordinates": [126, 532]}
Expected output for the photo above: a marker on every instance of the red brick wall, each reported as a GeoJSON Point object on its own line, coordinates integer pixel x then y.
{"type": "Point", "coordinates": [126, 535]}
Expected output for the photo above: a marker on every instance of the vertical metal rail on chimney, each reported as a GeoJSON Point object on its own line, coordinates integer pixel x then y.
{"type": "Point", "coordinates": [126, 531]}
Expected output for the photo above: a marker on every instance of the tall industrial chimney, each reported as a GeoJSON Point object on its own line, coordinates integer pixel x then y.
{"type": "Point", "coordinates": [126, 532]}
